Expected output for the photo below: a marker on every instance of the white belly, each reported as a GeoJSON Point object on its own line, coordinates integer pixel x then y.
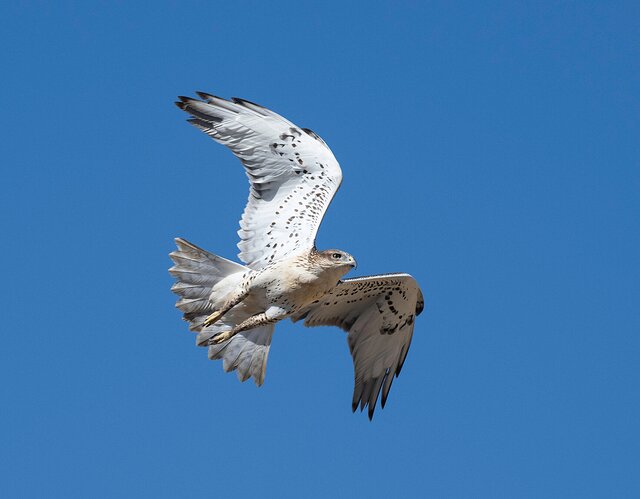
{"type": "Point", "coordinates": [291, 285]}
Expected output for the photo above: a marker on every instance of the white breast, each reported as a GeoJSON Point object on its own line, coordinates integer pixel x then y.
{"type": "Point", "coordinates": [293, 283]}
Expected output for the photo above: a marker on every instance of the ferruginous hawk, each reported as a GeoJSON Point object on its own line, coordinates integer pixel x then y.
{"type": "Point", "coordinates": [293, 176]}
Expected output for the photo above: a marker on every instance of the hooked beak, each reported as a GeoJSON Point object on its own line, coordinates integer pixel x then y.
{"type": "Point", "coordinates": [353, 263]}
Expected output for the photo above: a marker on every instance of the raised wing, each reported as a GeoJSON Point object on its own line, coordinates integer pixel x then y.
{"type": "Point", "coordinates": [378, 312]}
{"type": "Point", "coordinates": [292, 173]}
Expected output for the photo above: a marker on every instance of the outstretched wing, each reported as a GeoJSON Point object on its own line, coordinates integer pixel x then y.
{"type": "Point", "coordinates": [378, 313]}
{"type": "Point", "coordinates": [292, 173]}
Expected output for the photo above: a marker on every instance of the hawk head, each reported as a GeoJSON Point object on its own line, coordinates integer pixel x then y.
{"type": "Point", "coordinates": [335, 259]}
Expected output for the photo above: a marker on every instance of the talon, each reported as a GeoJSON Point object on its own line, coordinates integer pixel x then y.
{"type": "Point", "coordinates": [213, 318]}
{"type": "Point", "coordinates": [219, 338]}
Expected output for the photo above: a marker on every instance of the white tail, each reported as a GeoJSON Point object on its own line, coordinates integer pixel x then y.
{"type": "Point", "coordinates": [197, 271]}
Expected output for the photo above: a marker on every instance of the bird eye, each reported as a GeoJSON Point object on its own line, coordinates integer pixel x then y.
{"type": "Point", "coordinates": [337, 256]}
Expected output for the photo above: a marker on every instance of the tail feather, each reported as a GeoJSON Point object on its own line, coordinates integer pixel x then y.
{"type": "Point", "coordinates": [197, 271]}
{"type": "Point", "coordinates": [246, 352]}
{"type": "Point", "coordinates": [190, 277]}
{"type": "Point", "coordinates": [188, 290]}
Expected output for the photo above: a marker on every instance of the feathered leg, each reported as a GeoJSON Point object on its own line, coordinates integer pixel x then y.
{"type": "Point", "coordinates": [271, 315]}
{"type": "Point", "coordinates": [229, 304]}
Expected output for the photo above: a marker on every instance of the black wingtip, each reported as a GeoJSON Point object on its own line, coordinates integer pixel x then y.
{"type": "Point", "coordinates": [242, 102]}
{"type": "Point", "coordinates": [385, 395]}
{"type": "Point", "coordinates": [181, 105]}
{"type": "Point", "coordinates": [354, 406]}
{"type": "Point", "coordinates": [403, 357]}
{"type": "Point", "coordinates": [204, 95]}
{"type": "Point", "coordinates": [185, 99]}
{"type": "Point", "coordinates": [371, 410]}
{"type": "Point", "coordinates": [208, 97]}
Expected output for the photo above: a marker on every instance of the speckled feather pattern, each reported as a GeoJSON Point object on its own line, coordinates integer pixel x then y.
{"type": "Point", "coordinates": [293, 177]}
{"type": "Point", "coordinates": [379, 313]}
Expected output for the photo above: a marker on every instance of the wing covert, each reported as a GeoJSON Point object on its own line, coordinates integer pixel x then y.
{"type": "Point", "coordinates": [293, 175]}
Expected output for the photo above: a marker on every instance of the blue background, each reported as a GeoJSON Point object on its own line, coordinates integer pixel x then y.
{"type": "Point", "coordinates": [489, 148]}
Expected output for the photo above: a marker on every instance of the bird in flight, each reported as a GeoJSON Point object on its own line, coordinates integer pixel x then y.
{"type": "Point", "coordinates": [293, 176]}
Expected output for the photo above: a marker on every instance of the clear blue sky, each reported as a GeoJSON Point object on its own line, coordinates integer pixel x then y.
{"type": "Point", "coordinates": [491, 149]}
